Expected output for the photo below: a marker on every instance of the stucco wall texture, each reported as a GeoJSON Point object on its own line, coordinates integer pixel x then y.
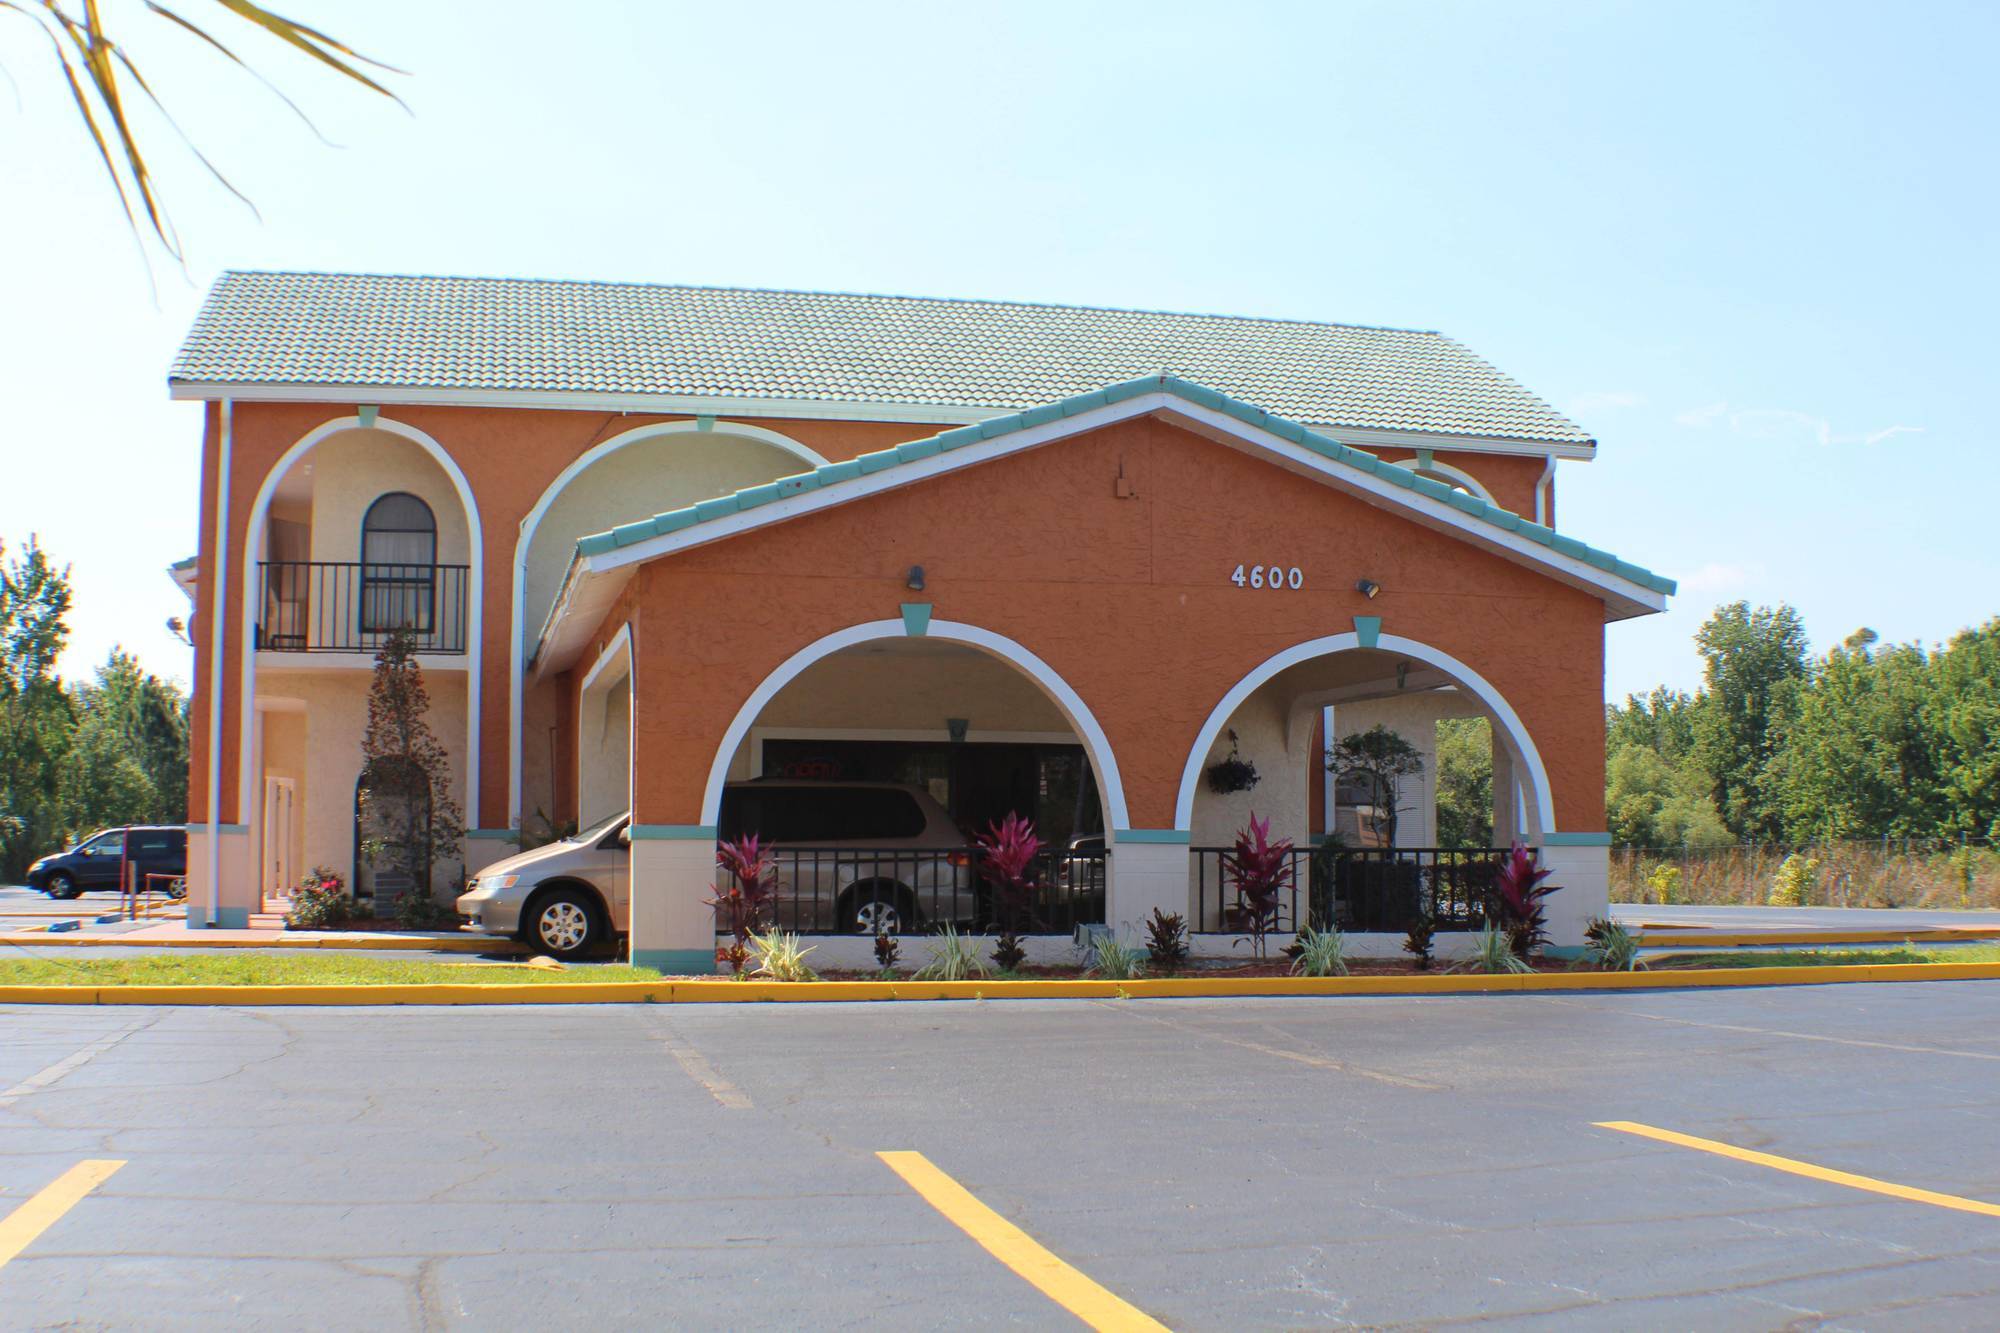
{"type": "Point", "coordinates": [1128, 599]}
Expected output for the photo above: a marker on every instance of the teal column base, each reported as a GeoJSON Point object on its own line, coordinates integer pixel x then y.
{"type": "Point", "coordinates": [699, 962]}
{"type": "Point", "coordinates": [232, 918]}
{"type": "Point", "coordinates": [1567, 953]}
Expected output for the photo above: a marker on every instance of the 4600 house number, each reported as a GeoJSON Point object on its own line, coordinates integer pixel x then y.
{"type": "Point", "coordinates": [1268, 576]}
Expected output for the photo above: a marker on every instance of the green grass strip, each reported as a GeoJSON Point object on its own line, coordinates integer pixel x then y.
{"type": "Point", "coordinates": [248, 968]}
{"type": "Point", "coordinates": [1906, 953]}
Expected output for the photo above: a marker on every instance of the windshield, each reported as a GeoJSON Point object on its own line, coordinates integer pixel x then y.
{"type": "Point", "coordinates": [598, 830]}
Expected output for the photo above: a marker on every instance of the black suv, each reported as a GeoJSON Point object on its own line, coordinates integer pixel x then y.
{"type": "Point", "coordinates": [95, 862]}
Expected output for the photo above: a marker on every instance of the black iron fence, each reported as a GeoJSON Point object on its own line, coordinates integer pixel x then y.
{"type": "Point", "coordinates": [1356, 888]}
{"type": "Point", "coordinates": [317, 606]}
{"type": "Point", "coordinates": [902, 890]}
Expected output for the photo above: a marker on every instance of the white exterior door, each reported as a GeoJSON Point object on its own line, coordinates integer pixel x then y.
{"type": "Point", "coordinates": [279, 873]}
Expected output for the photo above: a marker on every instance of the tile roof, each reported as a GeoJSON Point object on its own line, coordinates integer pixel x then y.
{"type": "Point", "coordinates": [590, 338]}
{"type": "Point", "coordinates": [833, 474]}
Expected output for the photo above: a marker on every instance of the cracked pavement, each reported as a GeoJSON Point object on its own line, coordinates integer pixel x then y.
{"type": "Point", "coordinates": [1355, 1161]}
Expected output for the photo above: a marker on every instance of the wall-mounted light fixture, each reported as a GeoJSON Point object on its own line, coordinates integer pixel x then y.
{"type": "Point", "coordinates": [1368, 588]}
{"type": "Point", "coordinates": [915, 582]}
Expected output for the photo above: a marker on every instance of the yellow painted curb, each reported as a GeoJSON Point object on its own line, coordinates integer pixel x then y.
{"type": "Point", "coordinates": [1684, 939]}
{"type": "Point", "coordinates": [449, 944]}
{"type": "Point", "coordinates": [721, 990]}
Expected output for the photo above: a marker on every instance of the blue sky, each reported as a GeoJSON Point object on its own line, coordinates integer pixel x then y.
{"type": "Point", "coordinates": [1750, 247]}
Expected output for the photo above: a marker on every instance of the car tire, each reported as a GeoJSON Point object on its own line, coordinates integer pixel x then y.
{"type": "Point", "coordinates": [564, 923]}
{"type": "Point", "coordinates": [878, 909]}
{"type": "Point", "coordinates": [60, 885]}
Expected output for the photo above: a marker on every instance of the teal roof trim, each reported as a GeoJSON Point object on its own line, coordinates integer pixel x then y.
{"type": "Point", "coordinates": [834, 474]}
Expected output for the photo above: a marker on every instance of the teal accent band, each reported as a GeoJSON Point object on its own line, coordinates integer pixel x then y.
{"type": "Point", "coordinates": [1367, 630]}
{"type": "Point", "coordinates": [219, 828]}
{"type": "Point", "coordinates": [367, 417]}
{"type": "Point", "coordinates": [673, 833]}
{"type": "Point", "coordinates": [1575, 840]}
{"type": "Point", "coordinates": [1567, 953]}
{"type": "Point", "coordinates": [1426, 459]}
{"type": "Point", "coordinates": [673, 962]}
{"type": "Point", "coordinates": [704, 423]}
{"type": "Point", "coordinates": [494, 834]}
{"type": "Point", "coordinates": [1316, 840]}
{"type": "Point", "coordinates": [916, 619]}
{"type": "Point", "coordinates": [1153, 835]}
{"type": "Point", "coordinates": [232, 918]}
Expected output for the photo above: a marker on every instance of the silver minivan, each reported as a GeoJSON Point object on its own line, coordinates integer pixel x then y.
{"type": "Point", "coordinates": [865, 857]}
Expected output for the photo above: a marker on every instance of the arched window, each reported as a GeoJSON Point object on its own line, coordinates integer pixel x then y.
{"type": "Point", "coordinates": [398, 565]}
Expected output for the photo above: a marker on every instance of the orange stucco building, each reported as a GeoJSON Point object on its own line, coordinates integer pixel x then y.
{"type": "Point", "coordinates": [655, 541]}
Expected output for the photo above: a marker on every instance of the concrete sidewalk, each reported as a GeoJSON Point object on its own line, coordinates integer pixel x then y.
{"type": "Point", "coordinates": [179, 935]}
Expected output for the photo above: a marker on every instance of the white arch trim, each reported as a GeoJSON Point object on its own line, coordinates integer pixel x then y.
{"type": "Point", "coordinates": [1541, 799]}
{"type": "Point", "coordinates": [1457, 476]}
{"type": "Point", "coordinates": [253, 551]}
{"type": "Point", "coordinates": [1073, 708]}
{"type": "Point", "coordinates": [516, 649]}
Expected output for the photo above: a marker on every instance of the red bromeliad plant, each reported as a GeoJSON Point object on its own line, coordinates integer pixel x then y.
{"type": "Point", "coordinates": [1259, 870]}
{"type": "Point", "coordinates": [1007, 852]}
{"type": "Point", "coordinates": [739, 906]}
{"type": "Point", "coordinates": [1518, 892]}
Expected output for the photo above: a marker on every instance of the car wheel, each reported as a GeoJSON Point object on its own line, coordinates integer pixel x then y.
{"type": "Point", "coordinates": [62, 886]}
{"type": "Point", "coordinates": [879, 911]}
{"type": "Point", "coordinates": [563, 923]}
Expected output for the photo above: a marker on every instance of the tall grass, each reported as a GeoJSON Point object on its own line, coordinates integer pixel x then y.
{"type": "Point", "coordinates": [1879, 873]}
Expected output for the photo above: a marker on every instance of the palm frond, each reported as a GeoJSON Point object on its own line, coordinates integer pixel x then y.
{"type": "Point", "coordinates": [97, 69]}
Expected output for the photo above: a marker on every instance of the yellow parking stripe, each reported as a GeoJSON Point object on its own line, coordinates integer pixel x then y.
{"type": "Point", "coordinates": [1016, 1248]}
{"type": "Point", "coordinates": [1806, 1169]}
{"type": "Point", "coordinates": [20, 1227]}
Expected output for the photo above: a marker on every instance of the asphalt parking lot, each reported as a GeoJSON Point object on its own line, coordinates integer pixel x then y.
{"type": "Point", "coordinates": [1216, 1164]}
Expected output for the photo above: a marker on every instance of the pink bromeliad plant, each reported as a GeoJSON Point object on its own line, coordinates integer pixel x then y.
{"type": "Point", "coordinates": [1518, 892]}
{"type": "Point", "coordinates": [1260, 870]}
{"type": "Point", "coordinates": [1007, 852]}
{"type": "Point", "coordinates": [739, 905]}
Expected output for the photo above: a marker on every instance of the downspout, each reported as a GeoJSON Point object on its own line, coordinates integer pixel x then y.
{"type": "Point", "coordinates": [1542, 491]}
{"type": "Point", "coordinates": [218, 572]}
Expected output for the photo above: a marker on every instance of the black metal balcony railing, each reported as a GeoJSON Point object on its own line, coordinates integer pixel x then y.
{"type": "Point", "coordinates": [317, 606]}
{"type": "Point", "coordinates": [1358, 888]}
{"type": "Point", "coordinates": [861, 890]}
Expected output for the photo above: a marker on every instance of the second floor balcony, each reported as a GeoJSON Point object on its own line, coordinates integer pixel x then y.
{"type": "Point", "coordinates": [314, 606]}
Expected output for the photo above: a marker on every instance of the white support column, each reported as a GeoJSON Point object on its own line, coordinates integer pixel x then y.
{"type": "Point", "coordinates": [1580, 866]}
{"type": "Point", "coordinates": [673, 874]}
{"type": "Point", "coordinates": [1506, 797]}
{"type": "Point", "coordinates": [1148, 869]}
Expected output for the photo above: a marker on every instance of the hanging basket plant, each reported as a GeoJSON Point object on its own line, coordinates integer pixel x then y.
{"type": "Point", "coordinates": [1233, 774]}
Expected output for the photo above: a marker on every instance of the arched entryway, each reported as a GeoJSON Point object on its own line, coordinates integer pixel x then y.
{"type": "Point", "coordinates": [1369, 697]}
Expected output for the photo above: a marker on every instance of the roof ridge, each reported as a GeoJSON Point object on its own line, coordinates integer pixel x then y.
{"type": "Point", "coordinates": [852, 295]}
{"type": "Point", "coordinates": [846, 470]}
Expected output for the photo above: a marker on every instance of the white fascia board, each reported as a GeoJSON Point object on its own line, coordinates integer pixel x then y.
{"type": "Point", "coordinates": [1379, 441]}
{"type": "Point", "coordinates": [804, 409]}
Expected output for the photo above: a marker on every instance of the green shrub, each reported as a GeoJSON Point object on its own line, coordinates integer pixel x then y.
{"type": "Point", "coordinates": [418, 910]}
{"type": "Point", "coordinates": [781, 956]}
{"type": "Point", "coordinates": [1792, 886]}
{"type": "Point", "coordinates": [1322, 953]}
{"type": "Point", "coordinates": [1610, 946]}
{"type": "Point", "coordinates": [1418, 940]}
{"type": "Point", "coordinates": [320, 902]}
{"type": "Point", "coordinates": [1113, 960]}
{"type": "Point", "coordinates": [1493, 952]}
{"type": "Point", "coordinates": [954, 957]}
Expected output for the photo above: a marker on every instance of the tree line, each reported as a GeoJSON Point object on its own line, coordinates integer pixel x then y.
{"type": "Point", "coordinates": [1866, 741]}
{"type": "Point", "coordinates": [76, 757]}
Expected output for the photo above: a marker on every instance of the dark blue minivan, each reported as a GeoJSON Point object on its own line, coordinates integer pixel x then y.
{"type": "Point", "coordinates": [95, 862]}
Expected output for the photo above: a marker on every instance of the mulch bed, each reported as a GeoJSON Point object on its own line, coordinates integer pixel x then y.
{"type": "Point", "coordinates": [1276, 967]}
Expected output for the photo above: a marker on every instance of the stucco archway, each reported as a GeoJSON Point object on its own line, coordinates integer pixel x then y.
{"type": "Point", "coordinates": [531, 526]}
{"type": "Point", "coordinates": [253, 553]}
{"type": "Point", "coordinates": [1508, 728]}
{"type": "Point", "coordinates": [1103, 762]}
